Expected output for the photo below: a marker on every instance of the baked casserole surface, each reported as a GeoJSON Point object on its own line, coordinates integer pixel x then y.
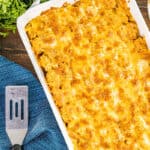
{"type": "Point", "coordinates": [97, 67]}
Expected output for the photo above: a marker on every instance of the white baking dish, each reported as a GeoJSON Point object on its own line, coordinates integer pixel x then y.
{"type": "Point", "coordinates": [35, 11]}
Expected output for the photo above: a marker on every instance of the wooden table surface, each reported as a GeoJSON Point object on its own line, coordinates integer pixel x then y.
{"type": "Point", "coordinates": [12, 47]}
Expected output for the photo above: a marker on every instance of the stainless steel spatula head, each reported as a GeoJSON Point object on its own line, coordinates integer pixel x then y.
{"type": "Point", "coordinates": [16, 113]}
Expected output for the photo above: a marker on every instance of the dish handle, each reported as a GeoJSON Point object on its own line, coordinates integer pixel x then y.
{"type": "Point", "coordinates": [36, 2]}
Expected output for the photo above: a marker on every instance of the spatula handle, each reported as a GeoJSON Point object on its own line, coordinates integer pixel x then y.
{"type": "Point", "coordinates": [16, 147]}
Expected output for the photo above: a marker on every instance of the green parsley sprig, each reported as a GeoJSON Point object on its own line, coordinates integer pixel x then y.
{"type": "Point", "coordinates": [10, 10]}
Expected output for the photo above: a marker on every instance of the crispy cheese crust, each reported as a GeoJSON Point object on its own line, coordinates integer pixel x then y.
{"type": "Point", "coordinates": [97, 67]}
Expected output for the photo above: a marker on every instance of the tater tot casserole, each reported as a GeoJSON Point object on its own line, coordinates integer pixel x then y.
{"type": "Point", "coordinates": [97, 67]}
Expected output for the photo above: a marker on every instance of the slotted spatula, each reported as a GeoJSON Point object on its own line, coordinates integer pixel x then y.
{"type": "Point", "coordinates": [16, 114]}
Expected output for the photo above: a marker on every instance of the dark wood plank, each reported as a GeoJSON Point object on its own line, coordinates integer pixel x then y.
{"type": "Point", "coordinates": [12, 47]}
{"type": "Point", "coordinates": [143, 7]}
{"type": "Point", "coordinates": [142, 3]}
{"type": "Point", "coordinates": [19, 58]}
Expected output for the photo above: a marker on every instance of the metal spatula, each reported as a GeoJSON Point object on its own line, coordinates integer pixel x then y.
{"type": "Point", "coordinates": [16, 114]}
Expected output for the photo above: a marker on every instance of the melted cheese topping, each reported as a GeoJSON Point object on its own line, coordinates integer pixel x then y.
{"type": "Point", "coordinates": [97, 68]}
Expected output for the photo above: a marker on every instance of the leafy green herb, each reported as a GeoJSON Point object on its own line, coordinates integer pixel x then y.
{"type": "Point", "coordinates": [10, 10]}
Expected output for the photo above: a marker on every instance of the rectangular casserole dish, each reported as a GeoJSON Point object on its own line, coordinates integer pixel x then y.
{"type": "Point", "coordinates": [36, 11]}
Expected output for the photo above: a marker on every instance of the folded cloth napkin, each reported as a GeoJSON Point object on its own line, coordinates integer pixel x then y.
{"type": "Point", "coordinates": [43, 133]}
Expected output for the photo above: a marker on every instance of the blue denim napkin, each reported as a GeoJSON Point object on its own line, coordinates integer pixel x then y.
{"type": "Point", "coordinates": [43, 133]}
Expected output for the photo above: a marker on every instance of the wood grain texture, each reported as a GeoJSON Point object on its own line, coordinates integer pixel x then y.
{"type": "Point", "coordinates": [12, 47]}
{"type": "Point", "coordinates": [143, 7]}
